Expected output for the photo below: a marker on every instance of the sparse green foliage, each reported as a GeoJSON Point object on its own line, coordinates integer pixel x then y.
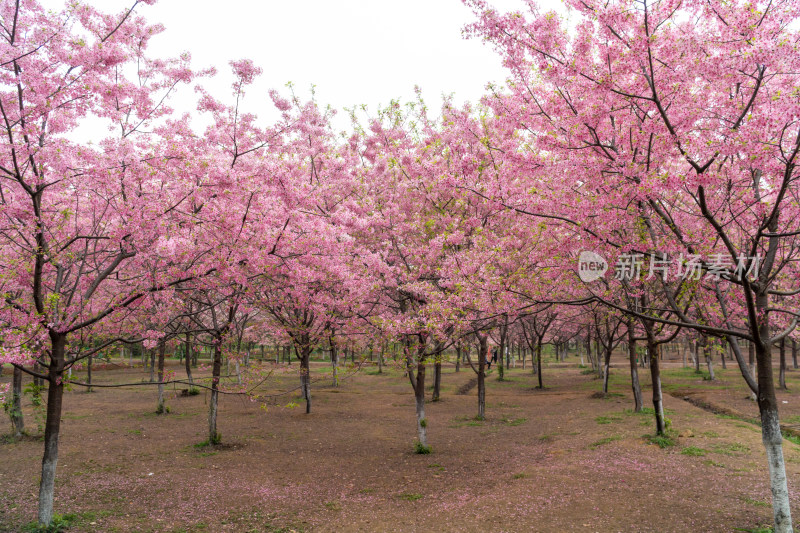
{"type": "Point", "coordinates": [421, 449]}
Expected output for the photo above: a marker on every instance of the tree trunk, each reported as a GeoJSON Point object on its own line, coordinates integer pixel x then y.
{"type": "Point", "coordinates": [782, 371]}
{"type": "Point", "coordinates": [697, 356]}
{"type": "Point", "coordinates": [501, 355]}
{"type": "Point", "coordinates": [483, 355]}
{"type": "Point", "coordinates": [418, 382]}
{"type": "Point", "coordinates": [655, 378]}
{"type": "Point", "coordinates": [458, 358]}
{"type": "Point", "coordinates": [770, 424]}
{"type": "Point", "coordinates": [188, 359]}
{"type": "Point", "coordinates": [160, 409]}
{"type": "Point", "coordinates": [152, 366]}
{"type": "Point", "coordinates": [637, 389]}
{"type": "Point", "coordinates": [539, 362]}
{"type": "Point", "coordinates": [794, 354]}
{"type": "Point", "coordinates": [437, 377]}
{"type": "Point", "coordinates": [709, 363]}
{"type": "Point", "coordinates": [17, 420]}
{"type": "Point", "coordinates": [606, 367]}
{"type": "Point", "coordinates": [52, 427]}
{"type": "Point", "coordinates": [335, 362]}
{"type": "Point", "coordinates": [213, 434]}
{"type": "Point", "coordinates": [305, 374]}
{"type": "Point", "coordinates": [724, 351]}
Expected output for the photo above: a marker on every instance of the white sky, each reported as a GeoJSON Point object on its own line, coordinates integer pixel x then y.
{"type": "Point", "coordinates": [354, 51]}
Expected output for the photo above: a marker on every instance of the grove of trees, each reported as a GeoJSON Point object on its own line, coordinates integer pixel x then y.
{"type": "Point", "coordinates": [662, 135]}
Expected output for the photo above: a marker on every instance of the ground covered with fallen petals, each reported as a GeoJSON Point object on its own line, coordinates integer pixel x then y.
{"type": "Point", "coordinates": [561, 459]}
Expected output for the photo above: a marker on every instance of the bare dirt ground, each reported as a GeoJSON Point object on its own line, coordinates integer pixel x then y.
{"type": "Point", "coordinates": [560, 459]}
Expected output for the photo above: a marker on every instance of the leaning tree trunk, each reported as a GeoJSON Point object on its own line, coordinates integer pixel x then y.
{"type": "Point", "coordinates": [655, 378]}
{"type": "Point", "coordinates": [52, 427]}
{"type": "Point", "coordinates": [17, 420]}
{"type": "Point", "coordinates": [160, 408]}
{"type": "Point", "coordinates": [770, 424]}
{"type": "Point", "coordinates": [637, 389]}
{"type": "Point", "coordinates": [213, 434]}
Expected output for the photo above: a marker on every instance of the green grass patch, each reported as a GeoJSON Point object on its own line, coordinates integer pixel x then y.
{"type": "Point", "coordinates": [709, 462]}
{"type": "Point", "coordinates": [410, 496]}
{"type": "Point", "coordinates": [757, 503]}
{"type": "Point", "coordinates": [794, 439]}
{"type": "Point", "coordinates": [57, 525]}
{"type": "Point", "coordinates": [421, 449]}
{"type": "Point", "coordinates": [519, 475]}
{"type": "Point", "coordinates": [662, 441]}
{"type": "Point", "coordinates": [512, 421]}
{"type": "Point", "coordinates": [603, 442]}
{"type": "Point", "coordinates": [694, 451]}
{"type": "Point", "coordinates": [607, 419]}
{"type": "Point", "coordinates": [734, 448]}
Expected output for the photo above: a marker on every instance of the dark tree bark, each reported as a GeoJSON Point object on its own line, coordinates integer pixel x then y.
{"type": "Point", "coordinates": [483, 355]}
{"type": "Point", "coordinates": [655, 378]}
{"type": "Point", "coordinates": [52, 426]}
{"type": "Point", "coordinates": [187, 360]}
{"type": "Point", "coordinates": [709, 362]}
{"type": "Point", "coordinates": [606, 369]}
{"type": "Point", "coordinates": [216, 370]}
{"type": "Point", "coordinates": [305, 369]}
{"type": "Point", "coordinates": [637, 389]}
{"type": "Point", "coordinates": [782, 372]}
{"type": "Point", "coordinates": [160, 407]}
{"type": "Point", "coordinates": [539, 362]}
{"type": "Point", "coordinates": [437, 377]}
{"type": "Point", "coordinates": [502, 347]}
{"type": "Point", "coordinates": [415, 367]}
{"type": "Point", "coordinates": [17, 420]}
{"type": "Point", "coordinates": [697, 356]}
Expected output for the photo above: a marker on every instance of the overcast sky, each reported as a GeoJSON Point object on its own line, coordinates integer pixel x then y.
{"type": "Point", "coordinates": [354, 51]}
